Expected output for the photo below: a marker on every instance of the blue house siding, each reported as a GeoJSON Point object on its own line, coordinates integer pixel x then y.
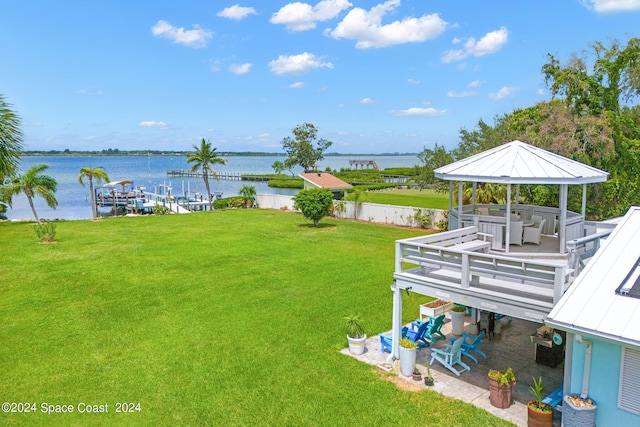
{"type": "Point", "coordinates": [604, 380]}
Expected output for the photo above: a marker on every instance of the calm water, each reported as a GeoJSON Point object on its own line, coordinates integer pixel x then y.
{"type": "Point", "coordinates": [74, 200]}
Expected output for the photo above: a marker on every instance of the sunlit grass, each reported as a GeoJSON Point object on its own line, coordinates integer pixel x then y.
{"type": "Point", "coordinates": [216, 318]}
{"type": "Point", "coordinates": [414, 198]}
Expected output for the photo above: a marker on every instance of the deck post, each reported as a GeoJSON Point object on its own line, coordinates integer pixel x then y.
{"type": "Point", "coordinates": [465, 271]}
{"type": "Point", "coordinates": [396, 323]}
{"type": "Point", "coordinates": [558, 284]}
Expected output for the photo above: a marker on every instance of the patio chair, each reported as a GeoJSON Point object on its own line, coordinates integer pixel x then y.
{"type": "Point", "coordinates": [532, 234]}
{"type": "Point", "coordinates": [449, 356]}
{"type": "Point", "coordinates": [535, 219]}
{"type": "Point", "coordinates": [433, 330]}
{"type": "Point", "coordinates": [515, 236]}
{"type": "Point", "coordinates": [415, 332]}
{"type": "Point", "coordinates": [471, 345]}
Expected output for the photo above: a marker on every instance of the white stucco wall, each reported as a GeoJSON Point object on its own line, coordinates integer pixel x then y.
{"type": "Point", "coordinates": [372, 212]}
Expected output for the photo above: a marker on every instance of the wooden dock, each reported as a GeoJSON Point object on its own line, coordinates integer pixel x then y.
{"type": "Point", "coordinates": [228, 176]}
{"type": "Point", "coordinates": [363, 163]}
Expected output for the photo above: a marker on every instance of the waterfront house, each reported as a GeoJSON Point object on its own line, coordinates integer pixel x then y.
{"type": "Point", "coordinates": [325, 180]}
{"type": "Point", "coordinates": [600, 313]}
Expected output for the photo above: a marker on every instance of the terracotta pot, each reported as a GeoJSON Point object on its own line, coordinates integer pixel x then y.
{"type": "Point", "coordinates": [538, 418]}
{"type": "Point", "coordinates": [500, 395]}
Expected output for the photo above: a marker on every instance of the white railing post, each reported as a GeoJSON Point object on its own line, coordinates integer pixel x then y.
{"type": "Point", "coordinates": [558, 283]}
{"type": "Point", "coordinates": [464, 283]}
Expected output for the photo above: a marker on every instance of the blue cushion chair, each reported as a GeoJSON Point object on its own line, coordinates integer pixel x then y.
{"type": "Point", "coordinates": [471, 343]}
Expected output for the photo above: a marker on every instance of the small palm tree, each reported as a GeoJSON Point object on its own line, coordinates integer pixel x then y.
{"type": "Point", "coordinates": [203, 158]}
{"type": "Point", "coordinates": [97, 173]}
{"type": "Point", "coordinates": [32, 183]}
{"type": "Point", "coordinates": [248, 193]}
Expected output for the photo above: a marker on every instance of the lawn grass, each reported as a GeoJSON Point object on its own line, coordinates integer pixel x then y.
{"type": "Point", "coordinates": [214, 318]}
{"type": "Point", "coordinates": [414, 198]}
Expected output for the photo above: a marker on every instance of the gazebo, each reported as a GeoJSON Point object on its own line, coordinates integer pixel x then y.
{"type": "Point", "coordinates": [518, 163]}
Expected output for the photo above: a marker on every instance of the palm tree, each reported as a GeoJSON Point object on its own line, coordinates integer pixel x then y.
{"type": "Point", "coordinates": [10, 139]}
{"type": "Point", "coordinates": [97, 173]}
{"type": "Point", "coordinates": [248, 193]}
{"type": "Point", "coordinates": [203, 158]}
{"type": "Point", "coordinates": [32, 183]}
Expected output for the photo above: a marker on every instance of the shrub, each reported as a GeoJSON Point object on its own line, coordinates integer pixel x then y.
{"type": "Point", "coordinates": [160, 209]}
{"type": "Point", "coordinates": [423, 217]}
{"type": "Point", "coordinates": [229, 203]}
{"type": "Point", "coordinates": [314, 203]}
{"type": "Point", "coordinates": [46, 231]}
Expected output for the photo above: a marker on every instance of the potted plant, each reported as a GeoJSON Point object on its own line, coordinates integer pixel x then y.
{"type": "Point", "coordinates": [500, 387]}
{"type": "Point", "coordinates": [539, 414]}
{"type": "Point", "coordinates": [457, 319]}
{"type": "Point", "coordinates": [428, 379]}
{"type": "Point", "coordinates": [417, 376]}
{"type": "Point", "coordinates": [355, 334]}
{"type": "Point", "coordinates": [407, 356]}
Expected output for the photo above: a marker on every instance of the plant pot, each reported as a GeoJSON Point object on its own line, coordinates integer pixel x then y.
{"type": "Point", "coordinates": [457, 322]}
{"type": "Point", "coordinates": [578, 412]}
{"type": "Point", "coordinates": [538, 418]}
{"type": "Point", "coordinates": [417, 377]}
{"type": "Point", "coordinates": [428, 381]}
{"type": "Point", "coordinates": [356, 345]}
{"type": "Point", "coordinates": [434, 308]}
{"type": "Point", "coordinates": [407, 360]}
{"type": "Point", "coordinates": [500, 395]}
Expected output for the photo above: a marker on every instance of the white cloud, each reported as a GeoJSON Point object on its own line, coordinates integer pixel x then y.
{"type": "Point", "coordinates": [491, 43]}
{"type": "Point", "coordinates": [416, 111]}
{"type": "Point", "coordinates": [240, 68]}
{"type": "Point", "coordinates": [474, 83]}
{"type": "Point", "coordinates": [453, 94]}
{"type": "Point", "coordinates": [505, 92]}
{"type": "Point", "coordinates": [367, 101]}
{"type": "Point", "coordinates": [612, 6]}
{"type": "Point", "coordinates": [195, 38]}
{"type": "Point", "coordinates": [367, 29]}
{"type": "Point", "coordinates": [152, 124]}
{"type": "Point", "coordinates": [299, 16]}
{"type": "Point", "coordinates": [236, 12]}
{"type": "Point", "coordinates": [297, 64]}
{"type": "Point", "coordinates": [413, 81]}
{"type": "Point", "coordinates": [297, 85]}
{"type": "Point", "coordinates": [86, 92]}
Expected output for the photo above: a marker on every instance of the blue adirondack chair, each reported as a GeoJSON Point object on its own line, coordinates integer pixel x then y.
{"type": "Point", "coordinates": [449, 356]}
{"type": "Point", "coordinates": [416, 333]}
{"type": "Point", "coordinates": [433, 331]}
{"type": "Point", "coordinates": [470, 343]}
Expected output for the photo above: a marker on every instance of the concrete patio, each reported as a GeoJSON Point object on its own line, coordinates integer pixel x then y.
{"type": "Point", "coordinates": [512, 347]}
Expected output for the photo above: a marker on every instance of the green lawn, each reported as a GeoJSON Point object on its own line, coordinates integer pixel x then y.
{"type": "Point", "coordinates": [414, 198]}
{"type": "Point", "coordinates": [214, 318]}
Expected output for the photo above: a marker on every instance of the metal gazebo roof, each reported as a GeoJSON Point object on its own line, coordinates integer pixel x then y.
{"type": "Point", "coordinates": [519, 163]}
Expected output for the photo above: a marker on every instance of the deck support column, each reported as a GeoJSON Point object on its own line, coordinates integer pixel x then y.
{"type": "Point", "coordinates": [507, 234]}
{"type": "Point", "coordinates": [459, 204]}
{"type": "Point", "coordinates": [396, 323]}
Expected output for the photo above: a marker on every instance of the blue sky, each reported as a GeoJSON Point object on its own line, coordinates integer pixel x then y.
{"type": "Point", "coordinates": [373, 76]}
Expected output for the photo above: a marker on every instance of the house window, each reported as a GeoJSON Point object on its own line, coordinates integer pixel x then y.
{"type": "Point", "coordinates": [631, 284]}
{"type": "Point", "coordinates": [629, 389]}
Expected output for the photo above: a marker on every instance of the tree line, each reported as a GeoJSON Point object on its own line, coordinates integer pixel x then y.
{"type": "Point", "coordinates": [593, 117]}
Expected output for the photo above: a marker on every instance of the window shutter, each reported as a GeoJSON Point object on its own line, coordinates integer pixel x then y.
{"type": "Point", "coordinates": [629, 391]}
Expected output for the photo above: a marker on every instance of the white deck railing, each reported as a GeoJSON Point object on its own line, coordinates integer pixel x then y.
{"type": "Point", "coordinates": [442, 264]}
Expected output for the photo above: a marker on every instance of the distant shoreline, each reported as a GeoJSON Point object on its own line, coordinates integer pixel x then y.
{"type": "Point", "coordinates": [111, 153]}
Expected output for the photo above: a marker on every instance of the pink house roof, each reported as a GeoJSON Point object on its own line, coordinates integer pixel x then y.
{"type": "Point", "coordinates": [325, 180]}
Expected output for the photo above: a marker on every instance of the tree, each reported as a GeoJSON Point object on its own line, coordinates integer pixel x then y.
{"type": "Point", "coordinates": [32, 183]}
{"type": "Point", "coordinates": [356, 197]}
{"type": "Point", "coordinates": [97, 173]}
{"type": "Point", "coordinates": [10, 140]}
{"type": "Point", "coordinates": [314, 203]}
{"type": "Point", "coordinates": [300, 149]}
{"type": "Point", "coordinates": [431, 160]}
{"type": "Point", "coordinates": [248, 193]}
{"type": "Point", "coordinates": [203, 158]}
